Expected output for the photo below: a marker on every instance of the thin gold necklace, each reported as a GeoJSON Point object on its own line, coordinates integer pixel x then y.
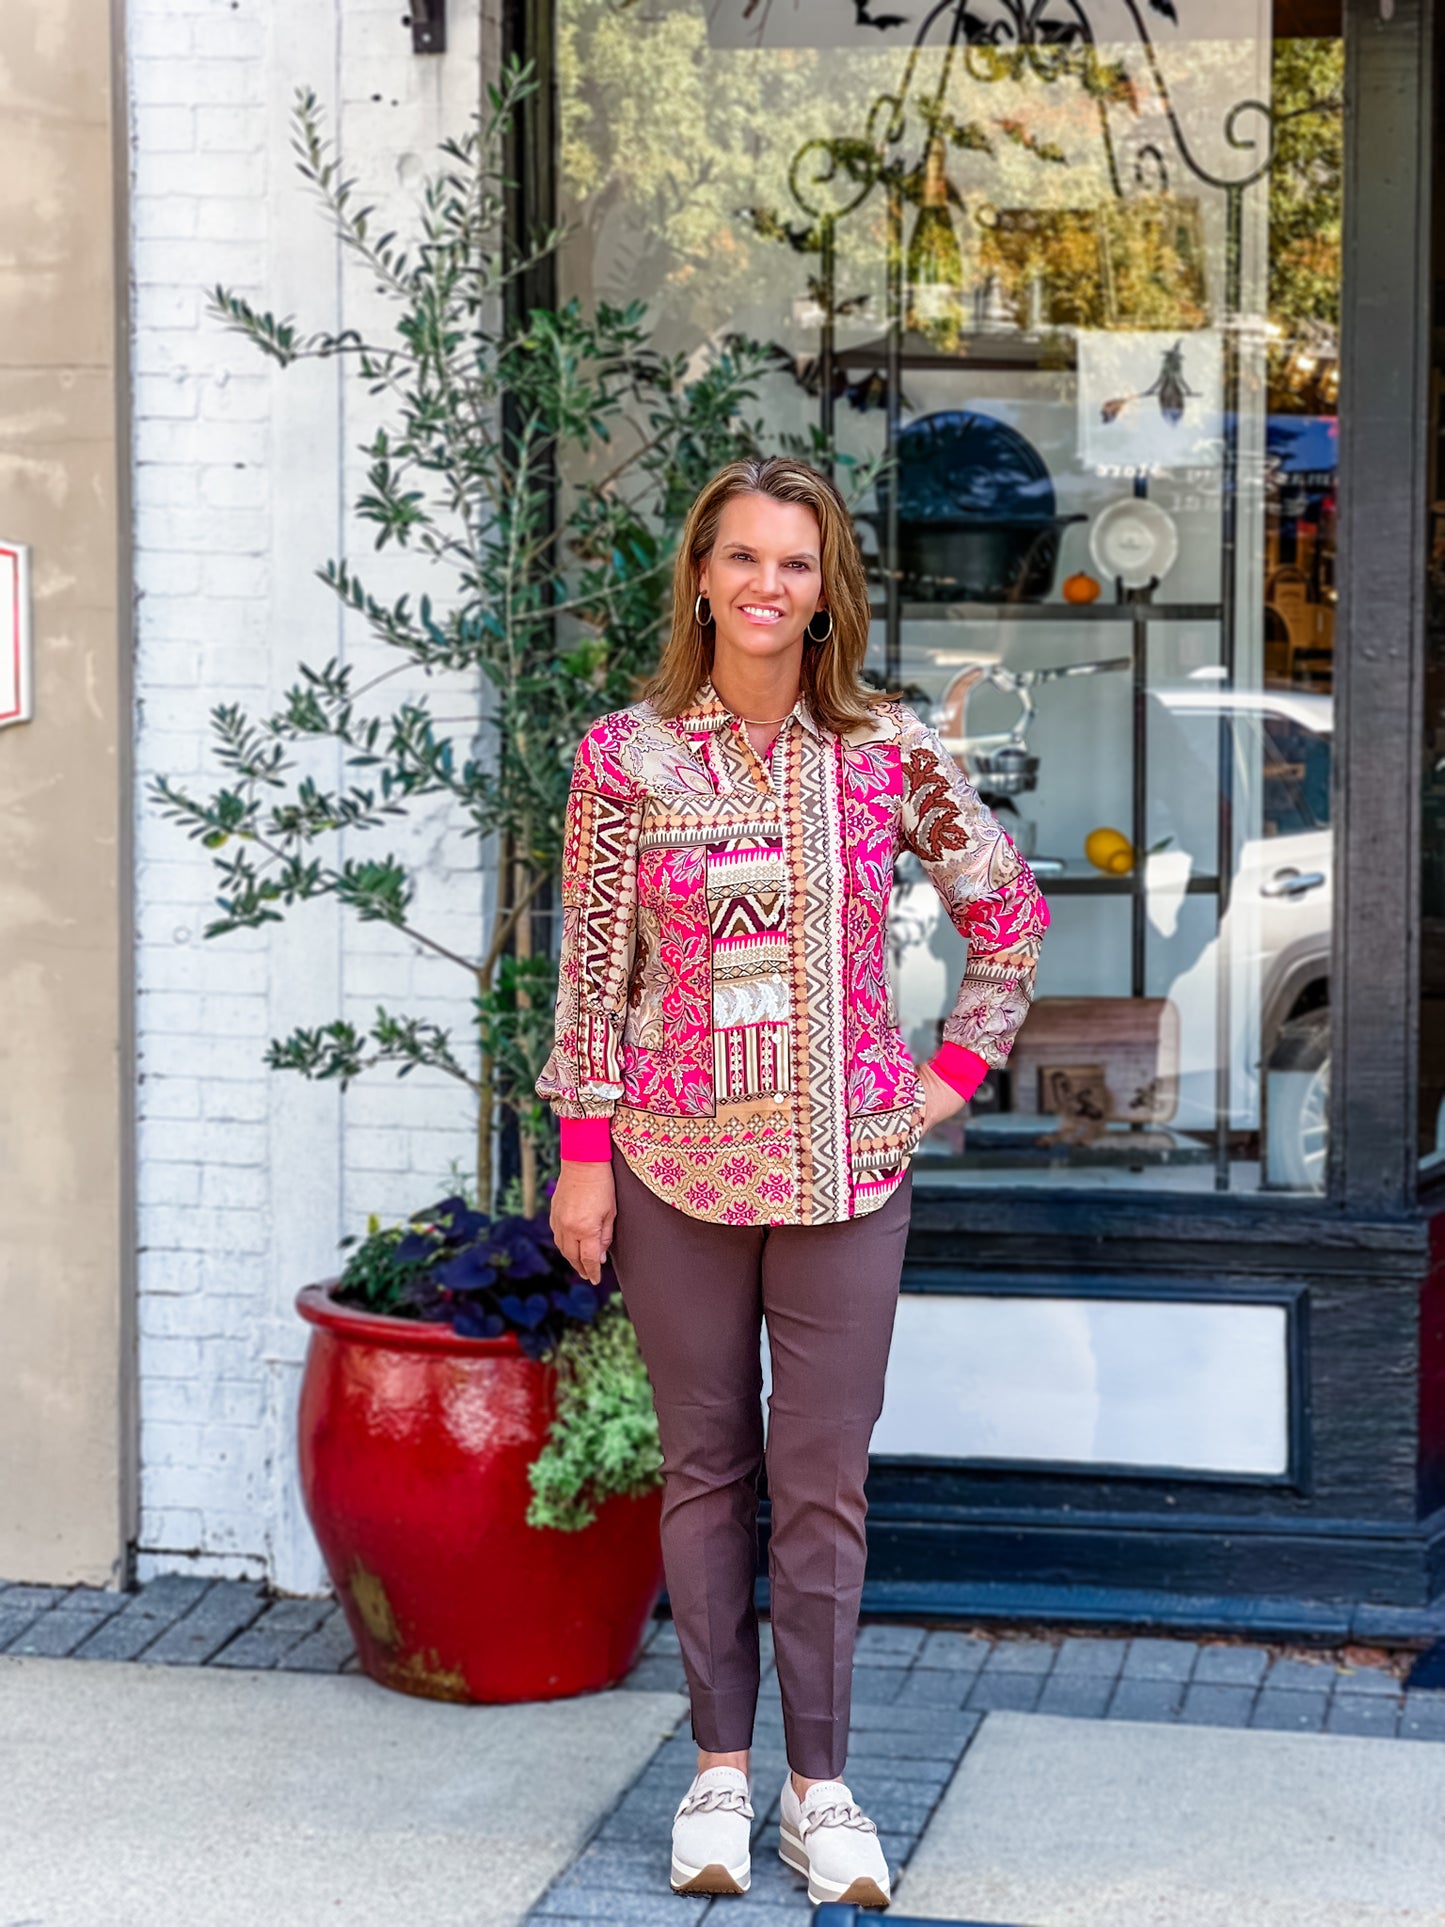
{"type": "Point", "coordinates": [763, 722]}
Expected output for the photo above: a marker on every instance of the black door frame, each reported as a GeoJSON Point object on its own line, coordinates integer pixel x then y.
{"type": "Point", "coordinates": [1384, 385]}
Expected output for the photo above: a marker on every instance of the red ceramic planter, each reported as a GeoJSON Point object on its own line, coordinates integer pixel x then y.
{"type": "Point", "coordinates": [414, 1449]}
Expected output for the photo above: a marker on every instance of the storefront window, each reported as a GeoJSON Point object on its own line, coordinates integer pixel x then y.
{"type": "Point", "coordinates": [1070, 273]}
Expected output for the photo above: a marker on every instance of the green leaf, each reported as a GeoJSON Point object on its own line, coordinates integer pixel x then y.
{"type": "Point", "coordinates": [530, 468]}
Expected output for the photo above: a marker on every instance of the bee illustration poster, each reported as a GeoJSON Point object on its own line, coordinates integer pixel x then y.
{"type": "Point", "coordinates": [1150, 400]}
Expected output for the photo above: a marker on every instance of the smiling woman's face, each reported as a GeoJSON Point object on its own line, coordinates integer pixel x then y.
{"type": "Point", "coordinates": [764, 577]}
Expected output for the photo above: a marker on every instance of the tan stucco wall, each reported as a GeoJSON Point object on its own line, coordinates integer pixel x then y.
{"type": "Point", "coordinates": [65, 1479]}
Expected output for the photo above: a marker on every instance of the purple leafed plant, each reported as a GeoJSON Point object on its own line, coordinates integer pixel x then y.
{"type": "Point", "coordinates": [483, 1276]}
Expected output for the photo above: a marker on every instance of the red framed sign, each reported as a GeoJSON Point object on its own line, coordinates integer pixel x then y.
{"type": "Point", "coordinates": [15, 685]}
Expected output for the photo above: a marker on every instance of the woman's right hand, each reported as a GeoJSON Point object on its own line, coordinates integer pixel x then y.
{"type": "Point", "coordinates": [584, 1210]}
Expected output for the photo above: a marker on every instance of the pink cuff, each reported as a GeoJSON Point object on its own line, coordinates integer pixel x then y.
{"type": "Point", "coordinates": [587, 1140]}
{"type": "Point", "coordinates": [964, 1069]}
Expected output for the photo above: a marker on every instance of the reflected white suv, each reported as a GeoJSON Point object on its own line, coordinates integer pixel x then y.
{"type": "Point", "coordinates": [1275, 932]}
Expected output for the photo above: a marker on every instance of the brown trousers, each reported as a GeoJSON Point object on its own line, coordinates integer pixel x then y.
{"type": "Point", "coordinates": [697, 1294]}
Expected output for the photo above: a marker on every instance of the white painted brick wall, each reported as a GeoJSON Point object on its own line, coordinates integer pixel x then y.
{"type": "Point", "coordinates": [247, 1177]}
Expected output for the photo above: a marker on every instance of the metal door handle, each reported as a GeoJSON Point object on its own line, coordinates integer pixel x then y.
{"type": "Point", "coordinates": [1292, 883]}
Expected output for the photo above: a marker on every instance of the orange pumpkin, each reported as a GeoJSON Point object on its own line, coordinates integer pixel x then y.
{"type": "Point", "coordinates": [1081, 588]}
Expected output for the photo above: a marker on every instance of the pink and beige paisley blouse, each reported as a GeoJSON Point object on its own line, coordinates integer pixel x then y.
{"type": "Point", "coordinates": [724, 1015]}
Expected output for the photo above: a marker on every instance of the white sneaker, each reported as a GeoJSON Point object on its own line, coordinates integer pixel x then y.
{"type": "Point", "coordinates": [711, 1835]}
{"type": "Point", "coordinates": [831, 1840]}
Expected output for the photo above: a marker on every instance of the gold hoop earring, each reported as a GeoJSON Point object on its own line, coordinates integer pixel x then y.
{"type": "Point", "coordinates": [698, 617]}
{"type": "Point", "coordinates": [827, 633]}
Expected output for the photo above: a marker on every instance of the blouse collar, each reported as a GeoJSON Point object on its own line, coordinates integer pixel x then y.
{"type": "Point", "coordinates": [707, 710]}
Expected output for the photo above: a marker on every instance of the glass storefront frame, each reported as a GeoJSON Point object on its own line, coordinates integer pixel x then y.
{"type": "Point", "coordinates": [1351, 1516]}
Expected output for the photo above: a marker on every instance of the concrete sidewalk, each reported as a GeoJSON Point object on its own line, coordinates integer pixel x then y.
{"type": "Point", "coordinates": [164, 1796]}
{"type": "Point", "coordinates": [1083, 1823]}
{"type": "Point", "coordinates": [1076, 1783]}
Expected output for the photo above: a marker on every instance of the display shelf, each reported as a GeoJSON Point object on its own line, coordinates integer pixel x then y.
{"type": "Point", "coordinates": [1014, 1140]}
{"type": "Point", "coordinates": [1086, 612]}
{"type": "Point", "coordinates": [1015, 351]}
{"type": "Point", "coordinates": [1079, 883]}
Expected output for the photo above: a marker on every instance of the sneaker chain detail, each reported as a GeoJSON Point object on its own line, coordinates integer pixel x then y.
{"type": "Point", "coordinates": [827, 1837]}
{"type": "Point", "coordinates": [711, 1835]}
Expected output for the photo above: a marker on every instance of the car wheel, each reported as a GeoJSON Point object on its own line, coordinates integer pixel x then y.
{"type": "Point", "coordinates": [1297, 1124]}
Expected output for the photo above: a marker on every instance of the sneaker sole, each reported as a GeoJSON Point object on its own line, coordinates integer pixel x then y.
{"type": "Point", "coordinates": [714, 1878]}
{"type": "Point", "coordinates": [862, 1892]}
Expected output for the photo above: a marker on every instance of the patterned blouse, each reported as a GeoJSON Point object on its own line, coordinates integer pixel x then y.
{"type": "Point", "coordinates": [724, 1015]}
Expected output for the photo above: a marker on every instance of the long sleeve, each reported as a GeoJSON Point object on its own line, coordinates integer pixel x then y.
{"type": "Point", "coordinates": [991, 897]}
{"type": "Point", "coordinates": [582, 1079]}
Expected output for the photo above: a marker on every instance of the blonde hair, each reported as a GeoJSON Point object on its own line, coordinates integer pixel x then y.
{"type": "Point", "coordinates": [830, 679]}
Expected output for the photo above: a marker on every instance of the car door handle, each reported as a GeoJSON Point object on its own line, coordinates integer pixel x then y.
{"type": "Point", "coordinates": [1292, 883]}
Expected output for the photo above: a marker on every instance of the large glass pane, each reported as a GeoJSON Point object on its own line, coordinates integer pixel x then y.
{"type": "Point", "coordinates": [1072, 272]}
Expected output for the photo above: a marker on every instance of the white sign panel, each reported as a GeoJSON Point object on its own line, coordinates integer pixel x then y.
{"type": "Point", "coordinates": [1150, 401]}
{"type": "Point", "coordinates": [1156, 1384]}
{"type": "Point", "coordinates": [14, 633]}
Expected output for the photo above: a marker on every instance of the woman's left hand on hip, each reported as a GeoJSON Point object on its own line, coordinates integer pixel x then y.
{"type": "Point", "coordinates": [941, 1100]}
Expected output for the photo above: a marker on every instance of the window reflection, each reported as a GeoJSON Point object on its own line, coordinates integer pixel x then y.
{"type": "Point", "coordinates": [1072, 273]}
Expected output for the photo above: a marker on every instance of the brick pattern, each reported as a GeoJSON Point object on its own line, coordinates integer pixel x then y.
{"type": "Point", "coordinates": [900, 1670]}
{"type": "Point", "coordinates": [919, 1696]}
{"type": "Point", "coordinates": [178, 1619]}
{"type": "Point", "coordinates": [219, 619]}
{"type": "Point", "coordinates": [902, 1754]}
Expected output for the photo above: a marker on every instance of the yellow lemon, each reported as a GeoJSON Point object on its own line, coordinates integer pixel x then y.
{"type": "Point", "coordinates": [1109, 851]}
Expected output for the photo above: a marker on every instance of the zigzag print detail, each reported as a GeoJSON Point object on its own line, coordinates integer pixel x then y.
{"type": "Point", "coordinates": [742, 917]}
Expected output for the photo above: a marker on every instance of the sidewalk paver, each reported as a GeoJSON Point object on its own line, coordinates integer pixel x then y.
{"type": "Point", "coordinates": [324, 1651]}
{"type": "Point", "coordinates": [275, 1633]}
{"type": "Point", "coordinates": [1160, 1659]}
{"type": "Point", "coordinates": [215, 1619]}
{"type": "Point", "coordinates": [1210, 1705]}
{"type": "Point", "coordinates": [1087, 1823]}
{"type": "Point", "coordinates": [889, 1644]}
{"type": "Point", "coordinates": [1366, 1713]}
{"type": "Point", "coordinates": [1291, 1711]}
{"type": "Point", "coordinates": [1021, 1656]}
{"type": "Point", "coordinates": [1005, 1692]}
{"type": "Point", "coordinates": [1292, 1674]}
{"type": "Point", "coordinates": [1079, 1695]}
{"type": "Point", "coordinates": [954, 1652]}
{"type": "Point", "coordinates": [1092, 1656]}
{"type": "Point", "coordinates": [54, 1634]}
{"type": "Point", "coordinates": [1147, 1699]}
{"type": "Point", "coordinates": [1230, 1666]}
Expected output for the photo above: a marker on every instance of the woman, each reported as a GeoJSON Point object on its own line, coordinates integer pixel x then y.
{"type": "Point", "coordinates": [738, 1109]}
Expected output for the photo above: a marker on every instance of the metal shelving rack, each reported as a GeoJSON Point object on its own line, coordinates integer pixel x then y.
{"type": "Point", "coordinates": [1140, 612]}
{"type": "Point", "coordinates": [1020, 41]}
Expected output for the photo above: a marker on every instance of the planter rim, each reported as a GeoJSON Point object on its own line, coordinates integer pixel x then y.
{"type": "Point", "coordinates": [317, 1306]}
